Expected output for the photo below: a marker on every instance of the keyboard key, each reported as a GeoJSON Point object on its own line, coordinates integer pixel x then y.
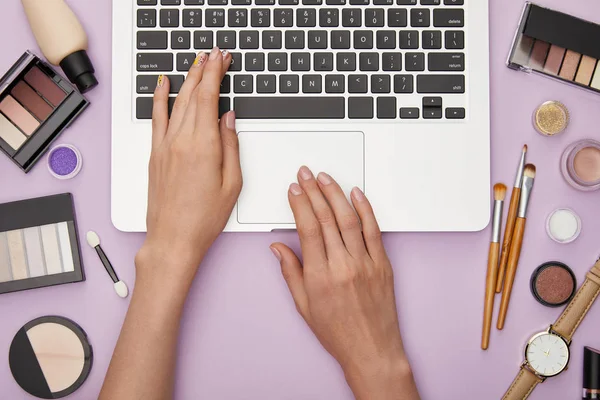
{"type": "Point", "coordinates": [446, 61]}
{"type": "Point", "coordinates": [306, 17]}
{"type": "Point", "coordinates": [455, 40]}
{"type": "Point", "coordinates": [289, 2]}
{"type": "Point", "coordinates": [340, 39]}
{"type": "Point", "coordinates": [415, 62]}
{"type": "Point", "coordinates": [242, 84]}
{"type": "Point", "coordinates": [406, 2]}
{"type": "Point", "coordinates": [374, 17]}
{"type": "Point", "coordinates": [266, 83]}
{"type": "Point", "coordinates": [449, 17]}
{"type": "Point", "coordinates": [386, 39]}
{"type": "Point", "coordinates": [409, 113]}
{"type": "Point", "coordinates": [193, 2]}
{"type": "Point", "coordinates": [146, 84]}
{"type": "Point", "coordinates": [152, 40]}
{"type": "Point", "coordinates": [409, 39]}
{"type": "Point", "coordinates": [279, 107]}
{"type": "Point", "coordinates": [289, 84]}
{"type": "Point", "coordinates": [203, 40]}
{"type": "Point", "coordinates": [432, 113]}
{"type": "Point", "coordinates": [403, 84]}
{"type": "Point", "coordinates": [346, 61]}
{"type": "Point", "coordinates": [432, 39]}
{"type": "Point", "coordinates": [215, 18]}
{"type": "Point", "coordinates": [294, 40]}
{"type": "Point", "coordinates": [248, 40]}
{"type": "Point", "coordinates": [283, 17]}
{"type": "Point", "coordinates": [440, 83]}
{"type": "Point", "coordinates": [146, 18]}
{"type": "Point", "coordinates": [278, 62]}
{"type": "Point", "coordinates": [312, 2]}
{"type": "Point", "coordinates": [224, 105]}
{"type": "Point", "coordinates": [323, 62]}
{"type": "Point", "coordinates": [391, 61]}
{"type": "Point", "coordinates": [352, 17]}
{"type": "Point", "coordinates": [255, 62]}
{"type": "Point", "coordinates": [419, 17]}
{"type": "Point", "coordinates": [271, 40]}
{"type": "Point", "coordinates": [334, 84]}
{"type": "Point", "coordinates": [217, 2]}
{"type": "Point", "coordinates": [169, 18]}
{"type": "Point", "coordinates": [312, 84]}
{"type": "Point", "coordinates": [360, 107]}
{"type": "Point", "coordinates": [369, 62]}
{"type": "Point", "coordinates": [397, 18]}
{"type": "Point", "coordinates": [226, 84]}
{"type": "Point", "coordinates": [241, 2]}
{"type": "Point", "coordinates": [317, 39]}
{"type": "Point", "coordinates": [455, 113]}
{"type": "Point", "coordinates": [454, 2]}
{"type": "Point", "coordinates": [147, 2]}
{"type": "Point", "coordinates": [159, 62]}
{"type": "Point", "coordinates": [357, 83]}
{"type": "Point", "coordinates": [226, 40]}
{"type": "Point", "coordinates": [264, 2]}
{"type": "Point", "coordinates": [144, 106]}
{"type": "Point", "coordinates": [363, 39]}
{"type": "Point", "coordinates": [170, 2]}
{"type": "Point", "coordinates": [383, 2]}
{"type": "Point", "coordinates": [180, 40]}
{"type": "Point", "coordinates": [237, 18]}
{"type": "Point", "coordinates": [329, 18]}
{"type": "Point", "coordinates": [185, 61]}
{"type": "Point", "coordinates": [300, 61]}
{"type": "Point", "coordinates": [192, 18]}
{"type": "Point", "coordinates": [380, 84]}
{"type": "Point", "coordinates": [386, 107]}
{"type": "Point", "coordinates": [260, 18]}
{"type": "Point", "coordinates": [359, 2]}
{"type": "Point", "coordinates": [431, 2]}
{"type": "Point", "coordinates": [432, 102]}
{"type": "Point", "coordinates": [236, 62]}
{"type": "Point", "coordinates": [335, 2]}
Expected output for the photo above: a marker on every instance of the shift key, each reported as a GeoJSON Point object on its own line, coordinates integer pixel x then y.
{"type": "Point", "coordinates": [440, 84]}
{"type": "Point", "coordinates": [160, 62]}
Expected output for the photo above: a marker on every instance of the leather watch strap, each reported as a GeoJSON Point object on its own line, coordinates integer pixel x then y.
{"type": "Point", "coordinates": [567, 323]}
{"type": "Point", "coordinates": [522, 386]}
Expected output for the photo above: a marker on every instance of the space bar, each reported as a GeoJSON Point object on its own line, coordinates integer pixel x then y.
{"type": "Point", "coordinates": [289, 107]}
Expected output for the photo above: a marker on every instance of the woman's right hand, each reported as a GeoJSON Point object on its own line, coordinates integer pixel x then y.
{"type": "Point", "coordinates": [345, 289]}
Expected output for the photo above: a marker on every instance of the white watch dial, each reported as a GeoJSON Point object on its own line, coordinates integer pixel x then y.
{"type": "Point", "coordinates": [547, 354]}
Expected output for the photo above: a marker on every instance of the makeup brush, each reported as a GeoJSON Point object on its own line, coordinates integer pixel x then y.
{"type": "Point", "coordinates": [510, 221]}
{"type": "Point", "coordinates": [517, 242]}
{"type": "Point", "coordinates": [492, 270]}
{"type": "Point", "coordinates": [120, 287]}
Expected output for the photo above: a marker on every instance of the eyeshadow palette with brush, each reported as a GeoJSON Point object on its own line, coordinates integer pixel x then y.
{"type": "Point", "coordinates": [557, 45]}
{"type": "Point", "coordinates": [36, 105]}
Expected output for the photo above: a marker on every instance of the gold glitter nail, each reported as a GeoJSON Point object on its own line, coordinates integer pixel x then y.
{"type": "Point", "coordinates": [160, 81]}
{"type": "Point", "coordinates": [551, 118]}
{"type": "Point", "coordinates": [200, 58]}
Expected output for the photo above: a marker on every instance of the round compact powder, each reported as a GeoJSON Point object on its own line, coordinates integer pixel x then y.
{"type": "Point", "coordinates": [50, 357]}
{"type": "Point", "coordinates": [563, 225]}
{"type": "Point", "coordinates": [64, 161]}
{"type": "Point", "coordinates": [587, 164]}
{"type": "Point", "coordinates": [551, 118]}
{"type": "Point", "coordinates": [553, 284]}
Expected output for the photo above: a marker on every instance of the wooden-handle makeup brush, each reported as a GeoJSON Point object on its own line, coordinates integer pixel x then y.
{"type": "Point", "coordinates": [510, 221]}
{"type": "Point", "coordinates": [517, 242]}
{"type": "Point", "coordinates": [492, 270]}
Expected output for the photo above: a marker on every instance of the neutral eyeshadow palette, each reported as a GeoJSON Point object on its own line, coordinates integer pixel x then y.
{"type": "Point", "coordinates": [39, 245]}
{"type": "Point", "coordinates": [36, 105]}
{"type": "Point", "coordinates": [557, 45]}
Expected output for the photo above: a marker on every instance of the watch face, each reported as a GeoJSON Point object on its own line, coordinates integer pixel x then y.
{"type": "Point", "coordinates": [547, 354]}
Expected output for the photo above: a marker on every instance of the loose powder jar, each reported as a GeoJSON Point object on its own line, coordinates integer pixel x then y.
{"type": "Point", "coordinates": [551, 118]}
{"type": "Point", "coordinates": [563, 225]}
{"type": "Point", "coordinates": [553, 284]}
{"type": "Point", "coordinates": [64, 161]}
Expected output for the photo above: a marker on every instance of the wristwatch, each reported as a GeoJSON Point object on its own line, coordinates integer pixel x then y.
{"type": "Point", "coordinates": [547, 353]}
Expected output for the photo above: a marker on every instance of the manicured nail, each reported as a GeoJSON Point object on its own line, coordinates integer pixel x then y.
{"type": "Point", "coordinates": [276, 253]}
{"type": "Point", "coordinates": [224, 53]}
{"type": "Point", "coordinates": [324, 179]}
{"type": "Point", "coordinates": [295, 189]}
{"type": "Point", "coordinates": [214, 53]}
{"type": "Point", "coordinates": [200, 59]}
{"type": "Point", "coordinates": [305, 173]}
{"type": "Point", "coordinates": [358, 194]}
{"type": "Point", "coordinates": [230, 120]}
{"type": "Point", "coordinates": [160, 81]}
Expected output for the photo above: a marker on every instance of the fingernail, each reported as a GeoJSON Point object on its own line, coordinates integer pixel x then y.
{"type": "Point", "coordinates": [230, 120]}
{"type": "Point", "coordinates": [200, 59]}
{"type": "Point", "coordinates": [214, 53]}
{"type": "Point", "coordinates": [324, 178]}
{"type": "Point", "coordinates": [224, 53]}
{"type": "Point", "coordinates": [305, 173]}
{"type": "Point", "coordinates": [295, 189]}
{"type": "Point", "coordinates": [160, 81]}
{"type": "Point", "coordinates": [276, 253]}
{"type": "Point", "coordinates": [358, 194]}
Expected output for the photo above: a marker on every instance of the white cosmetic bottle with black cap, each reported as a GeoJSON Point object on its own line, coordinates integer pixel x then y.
{"type": "Point", "coordinates": [62, 40]}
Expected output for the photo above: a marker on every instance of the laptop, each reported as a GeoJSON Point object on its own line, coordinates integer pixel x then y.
{"type": "Point", "coordinates": [391, 96]}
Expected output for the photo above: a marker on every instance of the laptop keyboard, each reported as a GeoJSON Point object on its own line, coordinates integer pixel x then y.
{"type": "Point", "coordinates": [311, 59]}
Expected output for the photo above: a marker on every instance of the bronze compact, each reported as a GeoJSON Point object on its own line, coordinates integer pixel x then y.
{"type": "Point", "coordinates": [553, 284]}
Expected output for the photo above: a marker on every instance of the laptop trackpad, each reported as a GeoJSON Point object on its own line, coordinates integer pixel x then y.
{"type": "Point", "coordinates": [270, 163]}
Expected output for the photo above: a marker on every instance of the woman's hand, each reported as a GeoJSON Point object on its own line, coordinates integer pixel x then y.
{"type": "Point", "coordinates": [194, 176]}
{"type": "Point", "coordinates": [345, 289]}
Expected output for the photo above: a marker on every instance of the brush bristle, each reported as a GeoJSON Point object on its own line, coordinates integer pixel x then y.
{"type": "Point", "coordinates": [525, 149]}
{"type": "Point", "coordinates": [530, 171]}
{"type": "Point", "coordinates": [92, 238]}
{"type": "Point", "coordinates": [499, 191]}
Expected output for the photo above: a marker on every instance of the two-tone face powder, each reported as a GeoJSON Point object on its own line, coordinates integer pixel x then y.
{"type": "Point", "coordinates": [580, 165]}
{"type": "Point", "coordinates": [50, 357]}
{"type": "Point", "coordinates": [553, 284]}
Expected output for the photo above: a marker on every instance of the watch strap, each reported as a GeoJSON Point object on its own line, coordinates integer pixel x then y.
{"type": "Point", "coordinates": [569, 321]}
{"type": "Point", "coordinates": [522, 386]}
